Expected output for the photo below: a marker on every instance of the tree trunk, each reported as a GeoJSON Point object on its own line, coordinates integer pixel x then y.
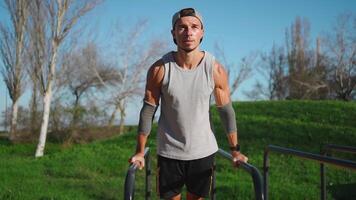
{"type": "Point", "coordinates": [34, 112]}
{"type": "Point", "coordinates": [76, 113]}
{"type": "Point", "coordinates": [12, 135]}
{"type": "Point", "coordinates": [122, 117]}
{"type": "Point", "coordinates": [73, 126]}
{"type": "Point", "coordinates": [47, 102]}
{"type": "Point", "coordinates": [44, 124]}
{"type": "Point", "coordinates": [113, 115]}
{"type": "Point", "coordinates": [119, 107]}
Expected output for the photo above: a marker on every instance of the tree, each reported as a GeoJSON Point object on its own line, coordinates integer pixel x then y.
{"type": "Point", "coordinates": [275, 70]}
{"type": "Point", "coordinates": [12, 43]}
{"type": "Point", "coordinates": [81, 78]}
{"type": "Point", "coordinates": [258, 92]}
{"type": "Point", "coordinates": [132, 63]}
{"type": "Point", "coordinates": [316, 84]}
{"type": "Point", "coordinates": [298, 54]}
{"type": "Point", "coordinates": [307, 71]}
{"type": "Point", "coordinates": [237, 75]}
{"type": "Point", "coordinates": [341, 51]}
{"type": "Point", "coordinates": [59, 17]}
{"type": "Point", "coordinates": [35, 58]}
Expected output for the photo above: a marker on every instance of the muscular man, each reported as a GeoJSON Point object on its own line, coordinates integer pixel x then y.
{"type": "Point", "coordinates": [183, 82]}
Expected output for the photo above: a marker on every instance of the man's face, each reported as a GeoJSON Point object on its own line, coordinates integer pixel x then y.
{"type": "Point", "coordinates": [188, 32]}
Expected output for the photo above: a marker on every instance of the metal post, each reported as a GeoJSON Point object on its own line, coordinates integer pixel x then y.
{"type": "Point", "coordinates": [129, 190]}
{"type": "Point", "coordinates": [265, 173]}
{"type": "Point", "coordinates": [322, 178]}
{"type": "Point", "coordinates": [325, 150]}
{"type": "Point", "coordinates": [305, 155]}
{"type": "Point", "coordinates": [213, 184]}
{"type": "Point", "coordinates": [148, 175]}
{"type": "Point", "coordinates": [322, 182]}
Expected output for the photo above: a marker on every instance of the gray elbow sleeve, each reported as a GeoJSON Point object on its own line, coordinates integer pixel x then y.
{"type": "Point", "coordinates": [227, 116]}
{"type": "Point", "coordinates": [146, 117]}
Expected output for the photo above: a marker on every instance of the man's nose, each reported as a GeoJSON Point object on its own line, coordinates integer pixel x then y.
{"type": "Point", "coordinates": [189, 31]}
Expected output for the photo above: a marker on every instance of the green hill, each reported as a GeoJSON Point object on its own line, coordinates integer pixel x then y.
{"type": "Point", "coordinates": [301, 125]}
{"type": "Point", "coordinates": [97, 170]}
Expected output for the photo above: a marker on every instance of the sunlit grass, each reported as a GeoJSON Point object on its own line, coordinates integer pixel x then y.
{"type": "Point", "coordinates": [97, 170]}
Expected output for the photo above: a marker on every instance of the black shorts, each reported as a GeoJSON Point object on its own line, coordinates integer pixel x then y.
{"type": "Point", "coordinates": [196, 175]}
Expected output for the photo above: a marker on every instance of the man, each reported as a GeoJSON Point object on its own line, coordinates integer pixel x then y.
{"type": "Point", "coordinates": [184, 81]}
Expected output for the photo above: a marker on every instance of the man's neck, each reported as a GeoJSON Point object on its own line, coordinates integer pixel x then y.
{"type": "Point", "coordinates": [188, 60]}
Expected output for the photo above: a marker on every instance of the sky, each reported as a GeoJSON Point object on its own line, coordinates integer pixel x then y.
{"type": "Point", "coordinates": [240, 27]}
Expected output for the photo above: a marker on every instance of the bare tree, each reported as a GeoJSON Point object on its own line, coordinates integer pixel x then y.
{"type": "Point", "coordinates": [35, 58]}
{"type": "Point", "coordinates": [237, 75]}
{"type": "Point", "coordinates": [319, 84]}
{"type": "Point", "coordinates": [341, 49]}
{"type": "Point", "coordinates": [80, 77]}
{"type": "Point", "coordinates": [12, 42]}
{"type": "Point", "coordinates": [258, 92]}
{"type": "Point", "coordinates": [274, 69]}
{"type": "Point", "coordinates": [132, 63]}
{"type": "Point", "coordinates": [297, 43]}
{"type": "Point", "coordinates": [58, 19]}
{"type": "Point", "coordinates": [306, 79]}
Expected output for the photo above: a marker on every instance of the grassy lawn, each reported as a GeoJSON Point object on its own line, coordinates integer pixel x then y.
{"type": "Point", "coordinates": [97, 170]}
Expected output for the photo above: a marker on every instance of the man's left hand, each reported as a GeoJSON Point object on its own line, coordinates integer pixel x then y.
{"type": "Point", "coordinates": [237, 158]}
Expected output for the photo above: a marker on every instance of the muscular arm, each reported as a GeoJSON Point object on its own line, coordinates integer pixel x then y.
{"type": "Point", "coordinates": [222, 98]}
{"type": "Point", "coordinates": [152, 95]}
{"type": "Point", "coordinates": [153, 84]}
{"type": "Point", "coordinates": [222, 95]}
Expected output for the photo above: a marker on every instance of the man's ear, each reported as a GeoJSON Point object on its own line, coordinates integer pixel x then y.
{"type": "Point", "coordinates": [172, 32]}
{"type": "Point", "coordinates": [173, 36]}
{"type": "Point", "coordinates": [202, 35]}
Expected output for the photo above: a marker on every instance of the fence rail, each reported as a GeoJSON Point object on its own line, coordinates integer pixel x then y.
{"type": "Point", "coordinates": [326, 150]}
{"type": "Point", "coordinates": [305, 155]}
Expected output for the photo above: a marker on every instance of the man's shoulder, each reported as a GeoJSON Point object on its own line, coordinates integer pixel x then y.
{"type": "Point", "coordinates": [160, 62]}
{"type": "Point", "coordinates": [218, 67]}
{"type": "Point", "coordinates": [219, 73]}
{"type": "Point", "coordinates": [156, 71]}
{"type": "Point", "coordinates": [157, 66]}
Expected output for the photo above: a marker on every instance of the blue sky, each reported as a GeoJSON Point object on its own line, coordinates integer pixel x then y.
{"type": "Point", "coordinates": [239, 26]}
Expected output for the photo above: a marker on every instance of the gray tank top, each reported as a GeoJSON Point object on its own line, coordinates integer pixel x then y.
{"type": "Point", "coordinates": [184, 130]}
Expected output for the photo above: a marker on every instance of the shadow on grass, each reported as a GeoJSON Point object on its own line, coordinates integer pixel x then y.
{"type": "Point", "coordinates": [343, 191]}
{"type": "Point", "coordinates": [4, 141]}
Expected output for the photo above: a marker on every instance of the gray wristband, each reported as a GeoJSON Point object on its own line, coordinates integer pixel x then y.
{"type": "Point", "coordinates": [146, 117]}
{"type": "Point", "coordinates": [227, 116]}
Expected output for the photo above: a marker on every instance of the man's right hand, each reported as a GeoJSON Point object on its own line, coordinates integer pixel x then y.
{"type": "Point", "coordinates": [139, 160]}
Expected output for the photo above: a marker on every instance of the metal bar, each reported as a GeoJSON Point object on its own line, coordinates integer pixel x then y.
{"type": "Point", "coordinates": [213, 185]}
{"type": "Point", "coordinates": [148, 175]}
{"type": "Point", "coordinates": [340, 148]}
{"type": "Point", "coordinates": [130, 182]}
{"type": "Point", "coordinates": [265, 173]}
{"type": "Point", "coordinates": [323, 159]}
{"type": "Point", "coordinates": [310, 156]}
{"type": "Point", "coordinates": [326, 151]}
{"type": "Point", "coordinates": [253, 171]}
{"type": "Point", "coordinates": [322, 182]}
{"type": "Point", "coordinates": [129, 189]}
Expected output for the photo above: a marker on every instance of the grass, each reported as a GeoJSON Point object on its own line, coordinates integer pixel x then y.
{"type": "Point", "coordinates": [97, 170]}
